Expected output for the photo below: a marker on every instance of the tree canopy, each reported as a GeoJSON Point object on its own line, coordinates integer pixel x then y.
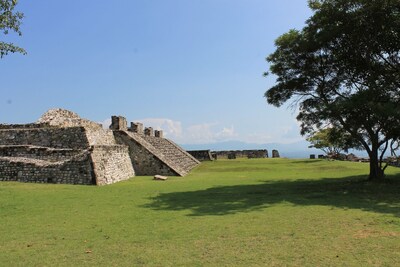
{"type": "Point", "coordinates": [10, 20]}
{"type": "Point", "coordinates": [332, 141]}
{"type": "Point", "coordinates": [343, 71]}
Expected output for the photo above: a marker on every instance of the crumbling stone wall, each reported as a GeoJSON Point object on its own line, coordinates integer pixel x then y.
{"type": "Point", "coordinates": [40, 153]}
{"type": "Point", "coordinates": [76, 170]}
{"type": "Point", "coordinates": [73, 137]}
{"type": "Point", "coordinates": [201, 155]}
{"type": "Point", "coordinates": [261, 153]}
{"type": "Point", "coordinates": [63, 118]}
{"type": "Point", "coordinates": [60, 118]}
{"type": "Point", "coordinates": [275, 153]}
{"type": "Point", "coordinates": [111, 164]}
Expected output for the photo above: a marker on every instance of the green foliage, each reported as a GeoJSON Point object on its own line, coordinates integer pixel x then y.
{"type": "Point", "coordinates": [343, 70]}
{"type": "Point", "coordinates": [10, 20]}
{"type": "Point", "coordinates": [332, 141]}
{"type": "Point", "coordinates": [259, 212]}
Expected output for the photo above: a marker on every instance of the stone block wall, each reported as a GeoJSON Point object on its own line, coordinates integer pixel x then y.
{"type": "Point", "coordinates": [73, 137]}
{"type": "Point", "coordinates": [100, 136]}
{"type": "Point", "coordinates": [76, 170]}
{"type": "Point", "coordinates": [275, 153]}
{"type": "Point", "coordinates": [111, 164]}
{"type": "Point", "coordinates": [260, 153]}
{"type": "Point", "coordinates": [40, 153]}
{"type": "Point", "coordinates": [202, 155]}
{"type": "Point", "coordinates": [24, 126]}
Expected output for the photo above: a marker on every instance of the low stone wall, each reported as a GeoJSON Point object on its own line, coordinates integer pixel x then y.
{"type": "Point", "coordinates": [73, 137]}
{"type": "Point", "coordinates": [261, 153]}
{"type": "Point", "coordinates": [76, 170]}
{"type": "Point", "coordinates": [111, 164]}
{"type": "Point", "coordinates": [201, 155]}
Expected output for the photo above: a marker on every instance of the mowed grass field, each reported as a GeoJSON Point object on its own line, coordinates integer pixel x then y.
{"type": "Point", "coordinates": [258, 212]}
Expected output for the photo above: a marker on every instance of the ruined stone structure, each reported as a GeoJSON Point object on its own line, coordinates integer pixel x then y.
{"type": "Point", "coordinates": [201, 155]}
{"type": "Point", "coordinates": [275, 153]}
{"type": "Point", "coordinates": [64, 148]}
{"type": "Point", "coordinates": [261, 153]}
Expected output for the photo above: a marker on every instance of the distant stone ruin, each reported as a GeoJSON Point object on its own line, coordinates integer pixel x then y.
{"type": "Point", "coordinates": [228, 154]}
{"type": "Point", "coordinates": [201, 155]}
{"type": "Point", "coordinates": [275, 153]}
{"type": "Point", "coordinates": [63, 148]}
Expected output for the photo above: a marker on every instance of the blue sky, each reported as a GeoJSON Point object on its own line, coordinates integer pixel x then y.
{"type": "Point", "coordinates": [191, 67]}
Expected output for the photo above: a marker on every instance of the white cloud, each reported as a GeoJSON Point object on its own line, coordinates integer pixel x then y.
{"type": "Point", "coordinates": [213, 132]}
{"type": "Point", "coordinates": [226, 133]}
{"type": "Point", "coordinates": [172, 129]}
{"type": "Point", "coordinates": [199, 133]}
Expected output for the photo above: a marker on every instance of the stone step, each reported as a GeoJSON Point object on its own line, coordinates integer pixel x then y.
{"type": "Point", "coordinates": [177, 155]}
{"type": "Point", "coordinates": [38, 152]}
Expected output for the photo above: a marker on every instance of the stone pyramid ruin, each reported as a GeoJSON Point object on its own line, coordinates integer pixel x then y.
{"type": "Point", "coordinates": [61, 147]}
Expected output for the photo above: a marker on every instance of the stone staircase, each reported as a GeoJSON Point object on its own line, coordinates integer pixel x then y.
{"type": "Point", "coordinates": [169, 154]}
{"type": "Point", "coordinates": [174, 153]}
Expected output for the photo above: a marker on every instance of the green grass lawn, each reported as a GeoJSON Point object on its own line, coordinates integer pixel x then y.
{"type": "Point", "coordinates": [258, 212]}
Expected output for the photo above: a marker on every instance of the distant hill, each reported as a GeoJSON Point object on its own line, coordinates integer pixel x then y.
{"type": "Point", "coordinates": [294, 150]}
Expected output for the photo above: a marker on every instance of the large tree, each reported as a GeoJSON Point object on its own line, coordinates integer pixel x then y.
{"type": "Point", "coordinates": [343, 71]}
{"type": "Point", "coordinates": [10, 20]}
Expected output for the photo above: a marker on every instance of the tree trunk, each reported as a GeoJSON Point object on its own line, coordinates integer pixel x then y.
{"type": "Point", "coordinates": [375, 171]}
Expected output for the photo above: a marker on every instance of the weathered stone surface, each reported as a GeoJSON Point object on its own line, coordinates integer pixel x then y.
{"type": "Point", "coordinates": [118, 123]}
{"type": "Point", "coordinates": [260, 153]}
{"type": "Point", "coordinates": [160, 178]}
{"type": "Point", "coordinates": [64, 148]}
{"type": "Point", "coordinates": [111, 164]}
{"type": "Point", "coordinates": [148, 131]}
{"type": "Point", "coordinates": [159, 133]}
{"type": "Point", "coordinates": [275, 153]}
{"type": "Point", "coordinates": [201, 155]}
{"type": "Point", "coordinates": [64, 118]}
{"type": "Point", "coordinates": [232, 155]}
{"type": "Point", "coordinates": [136, 127]}
{"type": "Point", "coordinates": [152, 155]}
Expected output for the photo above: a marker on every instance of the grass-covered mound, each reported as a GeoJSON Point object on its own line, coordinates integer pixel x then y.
{"type": "Point", "coordinates": [267, 212]}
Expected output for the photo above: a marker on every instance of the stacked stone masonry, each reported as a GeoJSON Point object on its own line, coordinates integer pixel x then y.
{"type": "Point", "coordinates": [202, 155]}
{"type": "Point", "coordinates": [64, 148]}
{"type": "Point", "coordinates": [231, 154]}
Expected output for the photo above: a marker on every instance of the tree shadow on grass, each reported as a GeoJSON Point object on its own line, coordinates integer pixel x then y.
{"type": "Point", "coordinates": [349, 192]}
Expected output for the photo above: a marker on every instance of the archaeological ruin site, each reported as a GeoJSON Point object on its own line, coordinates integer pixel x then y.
{"type": "Point", "coordinates": [63, 148]}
